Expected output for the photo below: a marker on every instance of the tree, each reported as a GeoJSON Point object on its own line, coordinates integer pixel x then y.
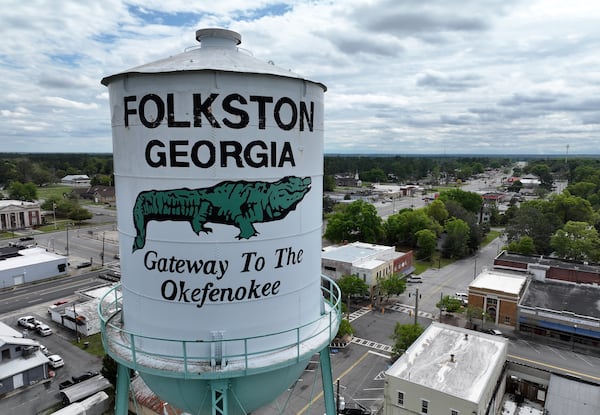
{"type": "Point", "coordinates": [357, 221]}
{"type": "Point", "coordinates": [477, 313]}
{"type": "Point", "coordinates": [404, 335]}
{"type": "Point", "coordinates": [571, 208]}
{"type": "Point", "coordinates": [392, 285]}
{"type": "Point", "coordinates": [345, 329]}
{"type": "Point", "coordinates": [536, 220]}
{"type": "Point", "coordinates": [79, 214]}
{"type": "Point", "coordinates": [401, 228]}
{"type": "Point", "coordinates": [523, 246]}
{"type": "Point", "coordinates": [578, 241]}
{"type": "Point", "coordinates": [456, 244]}
{"type": "Point", "coordinates": [22, 191]}
{"type": "Point", "coordinates": [437, 210]}
{"type": "Point", "coordinates": [328, 183]}
{"type": "Point", "coordinates": [451, 305]}
{"type": "Point", "coordinates": [351, 285]}
{"type": "Point", "coordinates": [469, 200]}
{"type": "Point", "coordinates": [426, 243]}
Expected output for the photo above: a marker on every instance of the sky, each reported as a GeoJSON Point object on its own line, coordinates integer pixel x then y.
{"type": "Point", "coordinates": [403, 77]}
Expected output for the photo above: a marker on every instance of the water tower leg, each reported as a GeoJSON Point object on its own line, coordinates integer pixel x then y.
{"type": "Point", "coordinates": [122, 392]}
{"type": "Point", "coordinates": [327, 379]}
{"type": "Point", "coordinates": [218, 391]}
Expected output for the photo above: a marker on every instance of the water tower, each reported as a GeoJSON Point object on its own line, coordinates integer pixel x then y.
{"type": "Point", "coordinates": [218, 161]}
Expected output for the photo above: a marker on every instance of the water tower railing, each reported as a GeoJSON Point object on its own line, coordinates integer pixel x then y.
{"type": "Point", "coordinates": [252, 355]}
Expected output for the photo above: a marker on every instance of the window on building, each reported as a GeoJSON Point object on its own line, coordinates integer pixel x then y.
{"type": "Point", "coordinates": [454, 412]}
{"type": "Point", "coordinates": [400, 400]}
{"type": "Point", "coordinates": [329, 268]}
{"type": "Point", "coordinates": [506, 320]}
{"type": "Point", "coordinates": [424, 406]}
{"type": "Point", "coordinates": [492, 302]}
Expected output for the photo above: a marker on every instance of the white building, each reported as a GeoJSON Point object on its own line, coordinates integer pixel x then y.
{"type": "Point", "coordinates": [367, 261]}
{"type": "Point", "coordinates": [16, 214]}
{"type": "Point", "coordinates": [448, 370]}
{"type": "Point", "coordinates": [19, 266]}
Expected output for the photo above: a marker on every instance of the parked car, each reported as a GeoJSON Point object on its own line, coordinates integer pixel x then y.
{"type": "Point", "coordinates": [29, 322]}
{"type": "Point", "coordinates": [26, 238]}
{"type": "Point", "coordinates": [80, 377]}
{"type": "Point", "coordinates": [44, 330]}
{"type": "Point", "coordinates": [414, 279]}
{"type": "Point", "coordinates": [65, 384]}
{"type": "Point", "coordinates": [494, 332]}
{"type": "Point", "coordinates": [44, 349]}
{"type": "Point", "coordinates": [55, 361]}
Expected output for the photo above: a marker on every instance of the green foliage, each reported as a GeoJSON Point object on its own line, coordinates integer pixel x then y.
{"type": "Point", "coordinates": [79, 214]}
{"type": "Point", "coordinates": [375, 175]}
{"type": "Point", "coordinates": [328, 183]}
{"type": "Point", "coordinates": [451, 305]}
{"type": "Point", "coordinates": [536, 220]}
{"type": "Point", "coordinates": [437, 210]}
{"type": "Point", "coordinates": [456, 244]}
{"type": "Point", "coordinates": [404, 335]}
{"type": "Point", "coordinates": [401, 228]}
{"type": "Point", "coordinates": [356, 221]}
{"type": "Point", "coordinates": [578, 241]}
{"type": "Point", "coordinates": [345, 329]}
{"type": "Point", "coordinates": [571, 208]}
{"type": "Point", "coordinates": [109, 369]}
{"type": "Point", "coordinates": [392, 285]}
{"type": "Point", "coordinates": [22, 191]}
{"type": "Point", "coordinates": [426, 243]}
{"type": "Point", "coordinates": [351, 285]}
{"type": "Point", "coordinates": [472, 202]}
{"type": "Point", "coordinates": [524, 245]}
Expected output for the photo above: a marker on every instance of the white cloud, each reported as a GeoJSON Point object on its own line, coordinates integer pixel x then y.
{"type": "Point", "coordinates": [416, 76]}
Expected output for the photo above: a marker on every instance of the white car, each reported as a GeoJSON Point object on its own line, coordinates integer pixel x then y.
{"type": "Point", "coordinates": [414, 279]}
{"type": "Point", "coordinates": [55, 361]}
{"type": "Point", "coordinates": [44, 349]}
{"type": "Point", "coordinates": [44, 330]}
{"type": "Point", "coordinates": [29, 322]}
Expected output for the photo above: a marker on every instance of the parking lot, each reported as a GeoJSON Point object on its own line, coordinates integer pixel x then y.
{"type": "Point", "coordinates": [37, 398]}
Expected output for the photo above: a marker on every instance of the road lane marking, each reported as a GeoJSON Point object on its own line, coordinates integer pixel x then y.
{"type": "Point", "coordinates": [320, 395]}
{"type": "Point", "coordinates": [556, 352]}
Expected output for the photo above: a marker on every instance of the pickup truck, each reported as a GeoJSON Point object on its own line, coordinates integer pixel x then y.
{"type": "Point", "coordinates": [29, 322]}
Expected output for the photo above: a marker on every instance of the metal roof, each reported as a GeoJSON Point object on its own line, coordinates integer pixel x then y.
{"type": "Point", "coordinates": [218, 52]}
{"type": "Point", "coordinates": [581, 299]}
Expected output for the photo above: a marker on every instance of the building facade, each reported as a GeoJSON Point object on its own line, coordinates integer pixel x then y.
{"type": "Point", "coordinates": [369, 262]}
{"type": "Point", "coordinates": [448, 370]}
{"type": "Point", "coordinates": [21, 361]}
{"type": "Point", "coordinates": [498, 293]}
{"type": "Point", "coordinates": [16, 214]}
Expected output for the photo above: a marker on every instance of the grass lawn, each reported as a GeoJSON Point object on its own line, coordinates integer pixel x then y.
{"type": "Point", "coordinates": [94, 344]}
{"type": "Point", "coordinates": [54, 190]}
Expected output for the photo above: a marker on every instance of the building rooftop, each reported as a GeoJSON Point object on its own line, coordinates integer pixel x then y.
{"type": "Point", "coordinates": [581, 299]}
{"type": "Point", "coordinates": [353, 252]}
{"type": "Point", "coordinates": [553, 262]}
{"type": "Point", "coordinates": [500, 281]}
{"type": "Point", "coordinates": [429, 362]}
{"type": "Point", "coordinates": [29, 256]}
{"type": "Point", "coordinates": [566, 396]}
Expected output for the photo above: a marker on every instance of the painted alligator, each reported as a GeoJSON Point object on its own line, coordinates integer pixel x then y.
{"type": "Point", "coordinates": [241, 204]}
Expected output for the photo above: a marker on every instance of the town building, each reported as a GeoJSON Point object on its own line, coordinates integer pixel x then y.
{"type": "Point", "coordinates": [560, 300]}
{"type": "Point", "coordinates": [97, 194]}
{"type": "Point", "coordinates": [498, 293]}
{"type": "Point", "coordinates": [369, 262]}
{"type": "Point", "coordinates": [448, 370]}
{"type": "Point", "coordinates": [20, 265]}
{"type": "Point", "coordinates": [17, 214]}
{"type": "Point", "coordinates": [21, 361]}
{"type": "Point", "coordinates": [76, 180]}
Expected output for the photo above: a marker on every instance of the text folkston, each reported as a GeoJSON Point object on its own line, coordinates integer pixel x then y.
{"type": "Point", "coordinates": [153, 110]}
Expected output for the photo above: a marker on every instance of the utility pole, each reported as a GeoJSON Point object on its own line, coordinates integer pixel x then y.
{"type": "Point", "coordinates": [416, 294]}
{"type": "Point", "coordinates": [102, 255]}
